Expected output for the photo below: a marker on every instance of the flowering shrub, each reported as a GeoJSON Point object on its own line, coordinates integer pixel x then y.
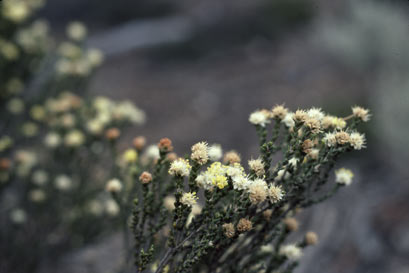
{"type": "Point", "coordinates": [57, 145]}
{"type": "Point", "coordinates": [203, 213]}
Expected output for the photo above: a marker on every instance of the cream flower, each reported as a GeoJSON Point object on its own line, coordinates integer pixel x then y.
{"type": "Point", "coordinates": [330, 140]}
{"type": "Point", "coordinates": [315, 113]}
{"type": "Point", "coordinates": [291, 251]}
{"type": "Point", "coordinates": [361, 113]}
{"type": "Point", "coordinates": [189, 199]}
{"type": "Point", "coordinates": [344, 176]}
{"type": "Point", "coordinates": [180, 167]}
{"type": "Point", "coordinates": [113, 186]}
{"type": "Point", "coordinates": [215, 152]}
{"type": "Point", "coordinates": [200, 153]}
{"type": "Point", "coordinates": [357, 140]}
{"type": "Point", "coordinates": [259, 118]}
{"type": "Point", "coordinates": [288, 120]}
{"type": "Point", "coordinates": [275, 193]}
{"type": "Point", "coordinates": [257, 166]}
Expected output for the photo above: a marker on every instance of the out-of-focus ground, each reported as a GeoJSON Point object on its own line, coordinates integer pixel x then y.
{"type": "Point", "coordinates": [227, 61]}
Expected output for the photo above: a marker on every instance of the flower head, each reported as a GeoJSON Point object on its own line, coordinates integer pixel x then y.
{"type": "Point", "coordinates": [292, 252]}
{"type": "Point", "coordinates": [231, 157]}
{"type": "Point", "coordinates": [357, 140]}
{"type": "Point", "coordinates": [200, 153]}
{"type": "Point", "coordinates": [244, 225]}
{"type": "Point", "coordinates": [189, 199]}
{"type": "Point", "coordinates": [215, 152]}
{"type": "Point", "coordinates": [344, 176]}
{"type": "Point", "coordinates": [165, 144]}
{"type": "Point", "coordinates": [145, 178]}
{"type": "Point", "coordinates": [330, 139]}
{"type": "Point", "coordinates": [361, 113]}
{"type": "Point", "coordinates": [279, 112]}
{"type": "Point", "coordinates": [259, 118]}
{"type": "Point", "coordinates": [311, 238]}
{"type": "Point", "coordinates": [275, 193]}
{"type": "Point", "coordinates": [130, 156]}
{"type": "Point", "coordinates": [229, 230]}
{"type": "Point", "coordinates": [180, 167]}
{"type": "Point", "coordinates": [113, 186]}
{"type": "Point", "coordinates": [257, 166]}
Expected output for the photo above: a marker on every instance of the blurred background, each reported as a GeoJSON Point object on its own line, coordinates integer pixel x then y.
{"type": "Point", "coordinates": [198, 68]}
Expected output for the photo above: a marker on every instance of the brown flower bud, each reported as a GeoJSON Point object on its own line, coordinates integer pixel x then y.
{"type": "Point", "coordinates": [231, 157]}
{"type": "Point", "coordinates": [307, 145]}
{"type": "Point", "coordinates": [112, 133]}
{"type": "Point", "coordinates": [165, 144]}
{"type": "Point", "coordinates": [267, 214]}
{"type": "Point", "coordinates": [311, 238]}
{"type": "Point", "coordinates": [145, 178]}
{"type": "Point", "coordinates": [291, 224]}
{"type": "Point", "coordinates": [229, 230]}
{"type": "Point", "coordinates": [171, 157]}
{"type": "Point", "coordinates": [244, 225]}
{"type": "Point", "coordinates": [5, 163]}
{"type": "Point", "coordinates": [139, 142]}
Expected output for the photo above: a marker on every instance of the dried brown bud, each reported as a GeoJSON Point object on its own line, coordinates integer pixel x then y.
{"type": "Point", "coordinates": [5, 163]}
{"type": "Point", "coordinates": [165, 144]}
{"type": "Point", "coordinates": [291, 224]}
{"type": "Point", "coordinates": [139, 142]}
{"type": "Point", "coordinates": [231, 157]}
{"type": "Point", "coordinates": [307, 145]}
{"type": "Point", "coordinates": [112, 133]}
{"type": "Point", "coordinates": [244, 225]}
{"type": "Point", "coordinates": [229, 230]}
{"type": "Point", "coordinates": [311, 238]}
{"type": "Point", "coordinates": [171, 157]}
{"type": "Point", "coordinates": [342, 137]}
{"type": "Point", "coordinates": [267, 214]}
{"type": "Point", "coordinates": [145, 178]}
{"type": "Point", "coordinates": [313, 124]}
{"type": "Point", "coordinates": [279, 112]}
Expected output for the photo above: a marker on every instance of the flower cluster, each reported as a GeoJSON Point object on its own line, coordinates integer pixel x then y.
{"type": "Point", "coordinates": [222, 217]}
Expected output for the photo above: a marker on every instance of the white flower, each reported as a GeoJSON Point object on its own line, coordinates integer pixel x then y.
{"type": "Point", "coordinates": [292, 252]}
{"type": "Point", "coordinates": [200, 153]}
{"type": "Point", "coordinates": [111, 207]}
{"type": "Point", "coordinates": [169, 202]}
{"type": "Point", "coordinates": [152, 152]}
{"type": "Point", "coordinates": [330, 139]}
{"type": "Point", "coordinates": [293, 162]}
{"type": "Point", "coordinates": [288, 120]}
{"type": "Point", "coordinates": [316, 113]}
{"type": "Point", "coordinates": [63, 182]}
{"type": "Point", "coordinates": [204, 181]}
{"type": "Point", "coordinates": [180, 167]}
{"type": "Point", "coordinates": [357, 140]}
{"type": "Point", "coordinates": [361, 113]}
{"type": "Point", "coordinates": [76, 31]}
{"type": "Point", "coordinates": [259, 118]}
{"type": "Point", "coordinates": [275, 193]}
{"type": "Point", "coordinates": [344, 176]}
{"type": "Point", "coordinates": [113, 185]}
{"type": "Point", "coordinates": [74, 138]}
{"type": "Point", "coordinates": [40, 177]}
{"type": "Point", "coordinates": [189, 198]}
{"type": "Point", "coordinates": [280, 175]}
{"type": "Point", "coordinates": [259, 182]}
{"type": "Point", "coordinates": [52, 140]}
{"type": "Point", "coordinates": [37, 196]}
{"type": "Point", "coordinates": [18, 216]}
{"type": "Point", "coordinates": [241, 182]}
{"type": "Point", "coordinates": [215, 152]}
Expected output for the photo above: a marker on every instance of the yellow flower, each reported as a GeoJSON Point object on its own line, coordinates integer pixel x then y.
{"type": "Point", "coordinates": [220, 181]}
{"type": "Point", "coordinates": [130, 156]}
